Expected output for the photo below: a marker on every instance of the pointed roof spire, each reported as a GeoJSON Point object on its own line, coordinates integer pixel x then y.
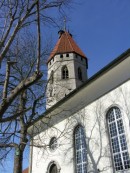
{"type": "Point", "coordinates": [65, 24]}
{"type": "Point", "coordinates": [65, 44]}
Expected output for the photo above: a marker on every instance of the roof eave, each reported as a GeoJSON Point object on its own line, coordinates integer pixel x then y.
{"type": "Point", "coordinates": [58, 53]}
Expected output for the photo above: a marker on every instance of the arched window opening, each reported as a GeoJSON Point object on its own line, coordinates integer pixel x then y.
{"type": "Point", "coordinates": [53, 143]}
{"type": "Point", "coordinates": [80, 150]}
{"type": "Point", "coordinates": [118, 139]}
{"type": "Point", "coordinates": [79, 74]}
{"type": "Point", "coordinates": [65, 73]}
{"type": "Point", "coordinates": [52, 77]}
{"type": "Point", "coordinates": [53, 169]}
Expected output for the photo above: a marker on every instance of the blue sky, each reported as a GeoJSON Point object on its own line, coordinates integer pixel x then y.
{"type": "Point", "coordinates": [101, 28]}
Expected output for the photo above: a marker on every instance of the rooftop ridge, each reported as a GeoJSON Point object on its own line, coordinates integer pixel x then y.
{"type": "Point", "coordinates": [67, 34]}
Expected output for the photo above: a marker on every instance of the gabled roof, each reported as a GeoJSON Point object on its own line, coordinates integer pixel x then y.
{"type": "Point", "coordinates": [66, 44]}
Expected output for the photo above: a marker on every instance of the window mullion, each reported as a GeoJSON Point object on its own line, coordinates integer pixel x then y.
{"type": "Point", "coordinates": [118, 136]}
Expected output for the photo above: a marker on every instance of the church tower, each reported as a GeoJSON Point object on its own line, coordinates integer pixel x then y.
{"type": "Point", "coordinates": [67, 68]}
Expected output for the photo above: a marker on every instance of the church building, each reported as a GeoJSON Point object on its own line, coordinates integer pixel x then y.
{"type": "Point", "coordinates": [86, 125]}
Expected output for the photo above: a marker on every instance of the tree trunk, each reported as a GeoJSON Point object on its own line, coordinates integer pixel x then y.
{"type": "Point", "coordinates": [18, 160]}
{"type": "Point", "coordinates": [19, 150]}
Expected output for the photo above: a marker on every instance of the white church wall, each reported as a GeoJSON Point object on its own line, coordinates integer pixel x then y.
{"type": "Point", "coordinates": [93, 118]}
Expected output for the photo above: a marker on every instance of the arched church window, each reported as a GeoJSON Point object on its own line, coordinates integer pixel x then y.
{"type": "Point", "coordinates": [80, 150]}
{"type": "Point", "coordinates": [79, 74]}
{"type": "Point", "coordinates": [118, 139]}
{"type": "Point", "coordinates": [53, 169]}
{"type": "Point", "coordinates": [52, 77]}
{"type": "Point", "coordinates": [65, 73]}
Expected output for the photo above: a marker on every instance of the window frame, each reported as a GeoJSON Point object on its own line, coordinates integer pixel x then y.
{"type": "Point", "coordinates": [82, 163]}
{"type": "Point", "coordinates": [65, 72]}
{"type": "Point", "coordinates": [115, 137]}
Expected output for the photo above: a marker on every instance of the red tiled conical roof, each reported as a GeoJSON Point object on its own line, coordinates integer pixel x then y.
{"type": "Point", "coordinates": [66, 44]}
